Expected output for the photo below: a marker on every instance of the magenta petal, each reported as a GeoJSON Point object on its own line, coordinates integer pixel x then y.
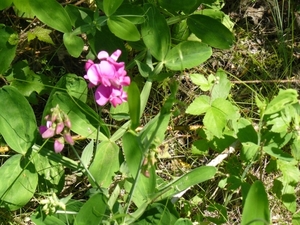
{"type": "Point", "coordinates": [125, 81]}
{"type": "Point", "coordinates": [116, 54]}
{"type": "Point", "coordinates": [102, 94]}
{"type": "Point", "coordinates": [102, 55]}
{"type": "Point", "coordinates": [68, 138]}
{"type": "Point", "coordinates": [88, 64]}
{"type": "Point", "coordinates": [59, 128]}
{"type": "Point", "coordinates": [117, 97]}
{"type": "Point", "coordinates": [59, 144]}
{"type": "Point", "coordinates": [92, 75]}
{"type": "Point", "coordinates": [42, 129]}
{"type": "Point", "coordinates": [50, 132]}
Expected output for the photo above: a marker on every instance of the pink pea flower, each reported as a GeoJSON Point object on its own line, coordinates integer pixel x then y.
{"type": "Point", "coordinates": [110, 76]}
{"type": "Point", "coordinates": [59, 144]}
{"type": "Point", "coordinates": [58, 125]}
{"type": "Point", "coordinates": [115, 96]}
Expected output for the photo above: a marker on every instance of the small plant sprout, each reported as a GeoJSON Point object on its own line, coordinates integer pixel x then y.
{"type": "Point", "coordinates": [57, 124]}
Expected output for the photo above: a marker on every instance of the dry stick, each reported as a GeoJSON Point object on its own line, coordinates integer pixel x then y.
{"type": "Point", "coordinates": [216, 161]}
{"type": "Point", "coordinates": [264, 81]}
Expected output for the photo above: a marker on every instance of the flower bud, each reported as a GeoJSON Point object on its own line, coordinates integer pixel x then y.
{"type": "Point", "coordinates": [59, 144]}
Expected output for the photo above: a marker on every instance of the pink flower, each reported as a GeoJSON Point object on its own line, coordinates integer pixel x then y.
{"type": "Point", "coordinates": [58, 125]}
{"type": "Point", "coordinates": [110, 76]}
{"type": "Point", "coordinates": [59, 144]}
{"type": "Point", "coordinates": [115, 96]}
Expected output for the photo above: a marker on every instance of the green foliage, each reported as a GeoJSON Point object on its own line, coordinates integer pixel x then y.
{"type": "Point", "coordinates": [256, 209]}
{"type": "Point", "coordinates": [19, 134]}
{"type": "Point", "coordinates": [118, 158]}
{"type": "Point", "coordinates": [20, 183]}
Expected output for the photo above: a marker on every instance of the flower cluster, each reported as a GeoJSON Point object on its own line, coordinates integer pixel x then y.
{"type": "Point", "coordinates": [58, 124]}
{"type": "Point", "coordinates": [109, 76]}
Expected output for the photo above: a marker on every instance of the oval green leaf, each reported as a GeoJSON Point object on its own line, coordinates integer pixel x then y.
{"type": "Point", "coordinates": [92, 211]}
{"type": "Point", "coordinates": [51, 13]}
{"type": "Point", "coordinates": [5, 3]}
{"type": "Point", "coordinates": [8, 50]}
{"type": "Point", "coordinates": [17, 122]}
{"type": "Point", "coordinates": [105, 164]}
{"type": "Point", "coordinates": [156, 33]}
{"type": "Point", "coordinates": [110, 6]}
{"type": "Point", "coordinates": [20, 183]}
{"type": "Point", "coordinates": [179, 5]}
{"type": "Point", "coordinates": [74, 44]}
{"type": "Point", "coordinates": [132, 151]}
{"type": "Point", "coordinates": [123, 28]}
{"type": "Point", "coordinates": [210, 31]}
{"type": "Point", "coordinates": [187, 55]}
{"type": "Point", "coordinates": [256, 209]}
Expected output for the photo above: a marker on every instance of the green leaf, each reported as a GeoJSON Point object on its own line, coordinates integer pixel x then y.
{"type": "Point", "coordinates": [8, 50]}
{"type": "Point", "coordinates": [51, 13]}
{"type": "Point", "coordinates": [200, 80]}
{"type": "Point", "coordinates": [210, 31]}
{"type": "Point", "coordinates": [246, 131]}
{"type": "Point", "coordinates": [93, 210]}
{"type": "Point", "coordinates": [249, 151]}
{"type": "Point", "coordinates": [133, 152]}
{"type": "Point", "coordinates": [278, 153]}
{"type": "Point", "coordinates": [20, 183]}
{"type": "Point", "coordinates": [183, 221]}
{"type": "Point", "coordinates": [87, 154]}
{"type": "Point", "coordinates": [123, 28]}
{"type": "Point", "coordinates": [26, 81]}
{"type": "Point", "coordinates": [260, 214]}
{"type": "Point", "coordinates": [134, 104]}
{"type": "Point", "coordinates": [105, 164]}
{"type": "Point", "coordinates": [110, 6]}
{"type": "Point", "coordinates": [189, 179]}
{"type": "Point", "coordinates": [40, 33]}
{"type": "Point", "coordinates": [179, 5]}
{"type": "Point", "coordinates": [23, 9]}
{"type": "Point", "coordinates": [73, 43]}
{"type": "Point", "coordinates": [156, 33]}
{"type": "Point", "coordinates": [48, 220]}
{"type": "Point", "coordinates": [222, 86]}
{"type": "Point", "coordinates": [134, 13]}
{"type": "Point", "coordinates": [5, 4]}
{"type": "Point", "coordinates": [296, 219]}
{"type": "Point", "coordinates": [283, 99]}
{"type": "Point", "coordinates": [20, 133]}
{"type": "Point", "coordinates": [187, 54]}
{"type": "Point", "coordinates": [144, 69]}
{"type": "Point", "coordinates": [158, 213]}
{"type": "Point", "coordinates": [199, 106]}
{"type": "Point", "coordinates": [51, 173]}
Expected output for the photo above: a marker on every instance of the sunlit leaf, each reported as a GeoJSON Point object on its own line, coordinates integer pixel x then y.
{"type": "Point", "coordinates": [51, 13]}
{"type": "Point", "coordinates": [20, 133]}
{"type": "Point", "coordinates": [284, 98]}
{"type": "Point", "coordinates": [260, 214]}
{"type": "Point", "coordinates": [92, 211]}
{"type": "Point", "coordinates": [110, 6]}
{"type": "Point", "coordinates": [123, 28]}
{"type": "Point", "coordinates": [20, 183]}
{"type": "Point", "coordinates": [187, 55]}
{"type": "Point", "coordinates": [105, 164]}
{"type": "Point", "coordinates": [199, 106]}
{"type": "Point", "coordinates": [156, 33]}
{"type": "Point", "coordinates": [73, 43]}
{"type": "Point", "coordinates": [210, 31]}
{"type": "Point", "coordinates": [8, 50]}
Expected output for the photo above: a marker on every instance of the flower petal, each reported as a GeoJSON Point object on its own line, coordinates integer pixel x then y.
{"type": "Point", "coordinates": [102, 94]}
{"type": "Point", "coordinates": [59, 144]}
{"type": "Point", "coordinates": [102, 55]}
{"type": "Point", "coordinates": [116, 54]}
{"type": "Point", "coordinates": [92, 75]}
